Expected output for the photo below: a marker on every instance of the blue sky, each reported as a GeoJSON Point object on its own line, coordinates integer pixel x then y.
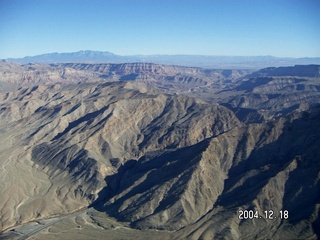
{"type": "Point", "coordinates": [283, 28]}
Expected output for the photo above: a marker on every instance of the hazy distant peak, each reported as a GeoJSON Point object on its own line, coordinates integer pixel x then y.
{"type": "Point", "coordinates": [93, 53]}
{"type": "Point", "coordinates": [204, 61]}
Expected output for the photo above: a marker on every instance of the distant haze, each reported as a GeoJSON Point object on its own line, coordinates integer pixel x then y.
{"type": "Point", "coordinates": [225, 62]}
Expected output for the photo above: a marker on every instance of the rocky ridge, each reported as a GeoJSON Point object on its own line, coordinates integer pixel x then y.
{"type": "Point", "coordinates": [269, 92]}
{"type": "Point", "coordinates": [160, 75]}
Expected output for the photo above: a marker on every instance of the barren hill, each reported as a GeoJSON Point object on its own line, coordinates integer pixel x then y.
{"type": "Point", "coordinates": [78, 137]}
{"type": "Point", "coordinates": [125, 149]}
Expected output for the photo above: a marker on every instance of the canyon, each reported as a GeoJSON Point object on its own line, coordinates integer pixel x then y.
{"type": "Point", "coordinates": [144, 150]}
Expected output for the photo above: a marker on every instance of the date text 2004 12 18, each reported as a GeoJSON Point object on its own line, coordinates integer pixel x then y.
{"type": "Point", "coordinates": [267, 214]}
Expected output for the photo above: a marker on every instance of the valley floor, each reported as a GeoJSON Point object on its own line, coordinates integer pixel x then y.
{"type": "Point", "coordinates": [84, 224]}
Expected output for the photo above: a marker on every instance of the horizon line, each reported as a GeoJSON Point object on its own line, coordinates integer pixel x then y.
{"type": "Point", "coordinates": [157, 54]}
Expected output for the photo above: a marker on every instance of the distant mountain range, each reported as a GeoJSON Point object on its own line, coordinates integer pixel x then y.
{"type": "Point", "coordinates": [225, 62]}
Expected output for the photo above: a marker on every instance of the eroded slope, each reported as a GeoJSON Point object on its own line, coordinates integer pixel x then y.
{"type": "Point", "coordinates": [159, 161]}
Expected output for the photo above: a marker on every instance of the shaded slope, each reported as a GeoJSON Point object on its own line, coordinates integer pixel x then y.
{"type": "Point", "coordinates": [162, 191]}
{"type": "Point", "coordinates": [199, 189]}
{"type": "Point", "coordinates": [277, 171]}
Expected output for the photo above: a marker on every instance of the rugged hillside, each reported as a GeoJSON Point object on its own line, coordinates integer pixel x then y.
{"type": "Point", "coordinates": [275, 92]}
{"type": "Point", "coordinates": [161, 75]}
{"type": "Point", "coordinates": [74, 138]}
{"type": "Point", "coordinates": [34, 74]}
{"type": "Point", "coordinates": [295, 71]}
{"type": "Point", "coordinates": [258, 167]}
{"type": "Point", "coordinates": [272, 167]}
{"type": "Point", "coordinates": [97, 144]}
{"type": "Point", "coordinates": [260, 95]}
{"type": "Point", "coordinates": [187, 81]}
